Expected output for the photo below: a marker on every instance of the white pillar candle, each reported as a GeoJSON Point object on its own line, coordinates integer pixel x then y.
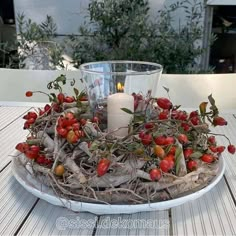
{"type": "Point", "coordinates": [116, 117]}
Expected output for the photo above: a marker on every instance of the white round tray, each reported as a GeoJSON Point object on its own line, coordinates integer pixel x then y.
{"type": "Point", "coordinates": [47, 194]}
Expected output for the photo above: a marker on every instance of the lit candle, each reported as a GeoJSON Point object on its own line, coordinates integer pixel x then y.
{"type": "Point", "coordinates": [116, 117]}
{"type": "Point", "coordinates": [120, 87]}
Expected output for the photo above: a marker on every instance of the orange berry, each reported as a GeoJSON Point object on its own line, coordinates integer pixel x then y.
{"type": "Point", "coordinates": [159, 151]}
{"type": "Point", "coordinates": [59, 170]}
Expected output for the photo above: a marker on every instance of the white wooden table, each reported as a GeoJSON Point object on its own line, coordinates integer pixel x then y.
{"type": "Point", "coordinates": [23, 214]}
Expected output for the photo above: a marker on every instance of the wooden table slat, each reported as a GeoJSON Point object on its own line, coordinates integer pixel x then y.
{"type": "Point", "coordinates": [15, 203]}
{"type": "Point", "coordinates": [9, 114]}
{"type": "Point", "coordinates": [144, 223]}
{"type": "Point", "coordinates": [9, 137]}
{"type": "Point", "coordinates": [47, 219]}
{"type": "Point", "coordinates": [212, 214]}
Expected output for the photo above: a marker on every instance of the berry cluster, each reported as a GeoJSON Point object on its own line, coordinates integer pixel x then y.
{"type": "Point", "coordinates": [70, 128]}
{"type": "Point", "coordinates": [34, 152]}
{"type": "Point", "coordinates": [165, 148]}
{"type": "Point", "coordinates": [30, 118]}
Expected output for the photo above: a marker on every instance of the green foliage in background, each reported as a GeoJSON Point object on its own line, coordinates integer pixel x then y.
{"type": "Point", "coordinates": [116, 30]}
{"type": "Point", "coordinates": [120, 30]}
{"type": "Point", "coordinates": [36, 42]}
{"type": "Point", "coordinates": [36, 39]}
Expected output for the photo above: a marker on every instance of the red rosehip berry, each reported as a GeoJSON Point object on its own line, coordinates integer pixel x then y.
{"type": "Point", "coordinates": [31, 154]}
{"type": "Point", "coordinates": [163, 115]}
{"type": "Point", "coordinates": [160, 140]}
{"type": "Point", "coordinates": [172, 150]}
{"type": "Point", "coordinates": [231, 149]}
{"type": "Point", "coordinates": [69, 99]}
{"type": "Point", "coordinates": [60, 98]}
{"type": "Point", "coordinates": [192, 165]}
{"type": "Point", "coordinates": [147, 139]}
{"type": "Point", "coordinates": [103, 166]}
{"type": "Point", "coordinates": [62, 132]}
{"type": "Point", "coordinates": [212, 139]}
{"type": "Point", "coordinates": [76, 126]}
{"type": "Point", "coordinates": [149, 126]}
{"type": "Point", "coordinates": [220, 149]}
{"type": "Point", "coordinates": [47, 108]}
{"type": "Point", "coordinates": [185, 126]}
{"type": "Point", "coordinates": [208, 158]}
{"type": "Point", "coordinates": [41, 159]}
{"type": "Point", "coordinates": [30, 121]}
{"type": "Point", "coordinates": [169, 140]}
{"type": "Point", "coordinates": [219, 121]}
{"type": "Point", "coordinates": [164, 103]}
{"type": "Point", "coordinates": [213, 149]}
{"type": "Point", "coordinates": [29, 94]}
{"type": "Point", "coordinates": [22, 147]}
{"type": "Point", "coordinates": [171, 160]}
{"type": "Point", "coordinates": [193, 114]}
{"type": "Point", "coordinates": [35, 149]}
{"type": "Point", "coordinates": [41, 112]}
{"type": "Point", "coordinates": [155, 174]}
{"type": "Point", "coordinates": [26, 125]}
{"type": "Point", "coordinates": [182, 116]}
{"type": "Point", "coordinates": [187, 152]}
{"type": "Point", "coordinates": [182, 138]}
{"type": "Point", "coordinates": [195, 120]}
{"type": "Point", "coordinates": [141, 134]}
{"type": "Point", "coordinates": [165, 166]}
{"type": "Point", "coordinates": [32, 114]}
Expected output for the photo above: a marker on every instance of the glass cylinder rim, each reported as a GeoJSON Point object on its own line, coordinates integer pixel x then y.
{"type": "Point", "coordinates": [84, 69]}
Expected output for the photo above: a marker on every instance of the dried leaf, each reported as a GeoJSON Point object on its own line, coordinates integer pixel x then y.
{"type": "Point", "coordinates": [215, 111]}
{"type": "Point", "coordinates": [202, 108]}
{"type": "Point", "coordinates": [177, 158]}
{"type": "Point", "coordinates": [211, 100]}
{"type": "Point", "coordinates": [196, 155]}
{"type": "Point", "coordinates": [127, 110]}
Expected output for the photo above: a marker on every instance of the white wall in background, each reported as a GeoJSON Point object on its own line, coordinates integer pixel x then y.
{"type": "Point", "coordinates": [14, 84]}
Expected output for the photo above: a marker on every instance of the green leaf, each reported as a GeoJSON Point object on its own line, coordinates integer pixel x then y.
{"type": "Point", "coordinates": [127, 110]}
{"type": "Point", "coordinates": [54, 97]}
{"type": "Point", "coordinates": [72, 83]}
{"type": "Point", "coordinates": [167, 149]}
{"type": "Point", "coordinates": [61, 78]}
{"type": "Point", "coordinates": [76, 91]}
{"type": "Point", "coordinates": [138, 119]}
{"type": "Point", "coordinates": [215, 111]}
{"type": "Point", "coordinates": [211, 100]}
{"type": "Point", "coordinates": [167, 89]}
{"type": "Point", "coordinates": [196, 155]}
{"type": "Point", "coordinates": [177, 158]}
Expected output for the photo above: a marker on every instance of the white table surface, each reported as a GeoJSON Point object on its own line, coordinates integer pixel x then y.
{"type": "Point", "coordinates": [21, 213]}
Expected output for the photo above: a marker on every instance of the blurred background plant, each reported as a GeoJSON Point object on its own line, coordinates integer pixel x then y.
{"type": "Point", "coordinates": [120, 30]}
{"type": "Point", "coordinates": [117, 30]}
{"type": "Point", "coordinates": [36, 45]}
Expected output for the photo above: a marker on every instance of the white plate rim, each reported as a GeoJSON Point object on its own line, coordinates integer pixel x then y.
{"type": "Point", "coordinates": [25, 179]}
